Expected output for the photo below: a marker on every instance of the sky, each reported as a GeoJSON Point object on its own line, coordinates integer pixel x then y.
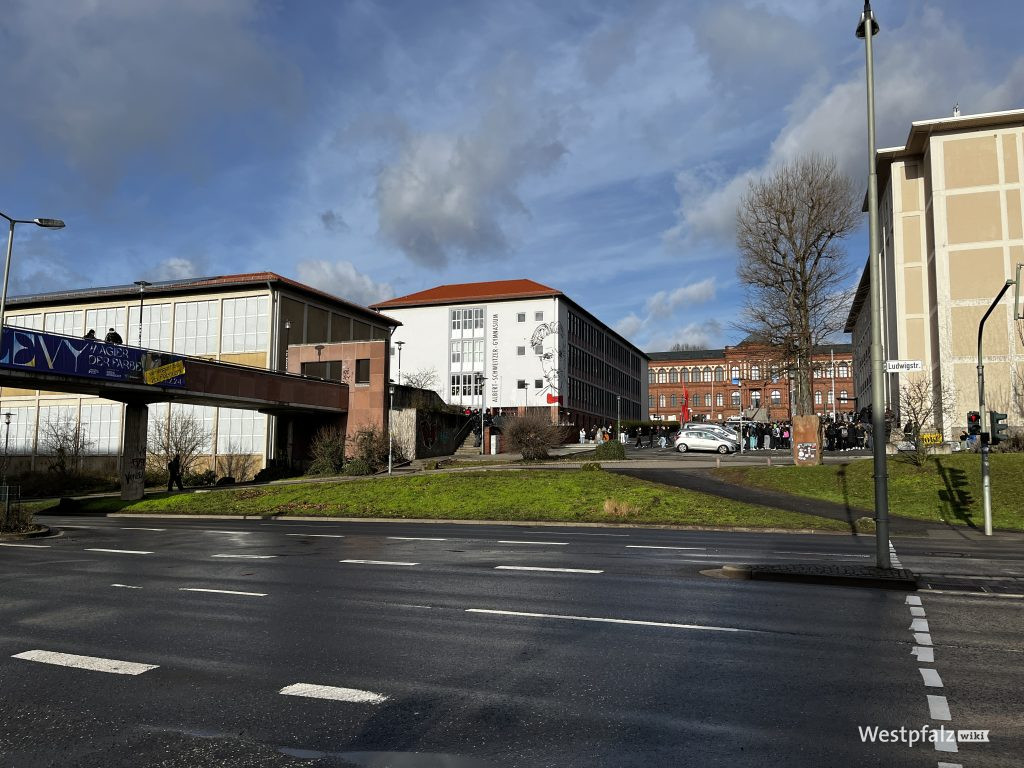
{"type": "Point", "coordinates": [375, 149]}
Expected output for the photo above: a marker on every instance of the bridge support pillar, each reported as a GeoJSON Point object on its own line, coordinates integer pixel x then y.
{"type": "Point", "coordinates": [133, 457]}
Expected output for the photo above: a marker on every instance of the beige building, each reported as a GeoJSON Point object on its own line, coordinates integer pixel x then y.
{"type": "Point", "coordinates": [950, 215]}
{"type": "Point", "coordinates": [248, 319]}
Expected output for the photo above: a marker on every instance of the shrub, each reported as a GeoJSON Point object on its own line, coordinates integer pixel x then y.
{"type": "Point", "coordinates": [371, 447]}
{"type": "Point", "coordinates": [613, 449]}
{"type": "Point", "coordinates": [864, 525]}
{"type": "Point", "coordinates": [40, 484]}
{"type": "Point", "coordinates": [533, 435]}
{"type": "Point", "coordinates": [275, 471]}
{"type": "Point", "coordinates": [206, 477]}
{"type": "Point", "coordinates": [617, 508]}
{"type": "Point", "coordinates": [590, 466]}
{"type": "Point", "coordinates": [357, 467]}
{"type": "Point", "coordinates": [328, 451]}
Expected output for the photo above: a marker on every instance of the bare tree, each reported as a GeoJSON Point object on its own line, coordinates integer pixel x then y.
{"type": "Point", "coordinates": [532, 434]}
{"type": "Point", "coordinates": [686, 347]}
{"type": "Point", "coordinates": [183, 435]}
{"type": "Point", "coordinates": [423, 378]}
{"type": "Point", "coordinates": [64, 440]}
{"type": "Point", "coordinates": [236, 464]}
{"type": "Point", "coordinates": [788, 229]}
{"type": "Point", "coordinates": [922, 409]}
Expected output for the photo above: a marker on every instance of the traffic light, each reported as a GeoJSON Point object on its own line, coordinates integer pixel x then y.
{"type": "Point", "coordinates": [973, 423]}
{"type": "Point", "coordinates": [997, 422]}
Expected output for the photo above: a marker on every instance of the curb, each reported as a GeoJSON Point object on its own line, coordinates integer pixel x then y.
{"type": "Point", "coordinates": [44, 530]}
{"type": "Point", "coordinates": [900, 578]}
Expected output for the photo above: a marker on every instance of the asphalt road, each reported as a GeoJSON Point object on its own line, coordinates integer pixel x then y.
{"type": "Point", "coordinates": [395, 644]}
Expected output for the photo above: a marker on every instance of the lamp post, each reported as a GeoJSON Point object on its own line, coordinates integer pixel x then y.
{"type": "Point", "coordinates": [143, 284]}
{"type": "Point", "coordinates": [618, 417]}
{"type": "Point", "coordinates": [399, 344]}
{"type": "Point", "coordinates": [391, 404]}
{"type": "Point", "coordinates": [45, 224]}
{"type": "Point", "coordinates": [480, 384]}
{"type": "Point", "coordinates": [287, 341]}
{"type": "Point", "coordinates": [319, 350]}
{"type": "Point", "coordinates": [866, 29]}
{"type": "Point", "coordinates": [7, 436]}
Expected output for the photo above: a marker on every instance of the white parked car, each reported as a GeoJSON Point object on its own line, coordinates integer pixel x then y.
{"type": "Point", "coordinates": [704, 440]}
{"type": "Point", "coordinates": [725, 432]}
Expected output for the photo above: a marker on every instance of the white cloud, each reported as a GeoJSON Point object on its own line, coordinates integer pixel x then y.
{"type": "Point", "coordinates": [175, 268]}
{"type": "Point", "coordinates": [343, 280]}
{"type": "Point", "coordinates": [664, 303]}
{"type": "Point", "coordinates": [703, 333]}
{"type": "Point", "coordinates": [449, 194]}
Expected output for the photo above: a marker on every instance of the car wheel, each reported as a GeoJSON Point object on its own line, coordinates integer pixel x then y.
{"type": "Point", "coordinates": [681, 447]}
{"type": "Point", "coordinates": [723, 449]}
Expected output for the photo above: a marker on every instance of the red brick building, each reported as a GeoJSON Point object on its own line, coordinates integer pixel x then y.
{"type": "Point", "coordinates": [718, 383]}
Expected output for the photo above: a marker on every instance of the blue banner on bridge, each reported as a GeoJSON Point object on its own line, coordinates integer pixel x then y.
{"type": "Point", "coordinates": [48, 353]}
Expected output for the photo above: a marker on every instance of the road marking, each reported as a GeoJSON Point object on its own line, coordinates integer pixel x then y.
{"type": "Point", "coordinates": [892, 555]}
{"type": "Point", "coordinates": [541, 543]}
{"type": "Point", "coordinates": [239, 533]}
{"type": "Point", "coordinates": [126, 528]}
{"type": "Point", "coordinates": [248, 557]}
{"type": "Point", "coordinates": [951, 765]}
{"type": "Point", "coordinates": [651, 546]}
{"type": "Point", "coordinates": [931, 677]}
{"type": "Point", "coordinates": [919, 625]}
{"type": "Point", "coordinates": [819, 554]}
{"type": "Point", "coordinates": [913, 600]}
{"type": "Point", "coordinates": [33, 546]}
{"type": "Point", "coordinates": [922, 638]}
{"type": "Point", "coordinates": [93, 663]}
{"type": "Point", "coordinates": [125, 586]}
{"type": "Point", "coordinates": [948, 744]}
{"type": "Point", "coordinates": [331, 692]}
{"type": "Point", "coordinates": [925, 655]}
{"type": "Point", "coordinates": [553, 570]}
{"type": "Point", "coordinates": [317, 535]}
{"type": "Point", "coordinates": [376, 562]}
{"type": "Point", "coordinates": [938, 708]}
{"type": "Point", "coordinates": [916, 610]}
{"type": "Point", "coordinates": [608, 621]}
{"type": "Point", "coordinates": [414, 538]}
{"type": "Point", "coordinates": [222, 591]}
{"type": "Point", "coordinates": [121, 551]}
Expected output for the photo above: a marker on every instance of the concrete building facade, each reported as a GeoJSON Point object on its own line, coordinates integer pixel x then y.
{"type": "Point", "coordinates": [717, 384]}
{"type": "Point", "coordinates": [518, 345]}
{"type": "Point", "coordinates": [952, 232]}
{"type": "Point", "coordinates": [247, 319]}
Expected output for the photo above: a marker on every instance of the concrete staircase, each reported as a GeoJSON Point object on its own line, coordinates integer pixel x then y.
{"type": "Point", "coordinates": [467, 449]}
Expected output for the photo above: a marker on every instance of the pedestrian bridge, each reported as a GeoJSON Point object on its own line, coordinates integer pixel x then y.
{"type": "Point", "coordinates": [137, 377]}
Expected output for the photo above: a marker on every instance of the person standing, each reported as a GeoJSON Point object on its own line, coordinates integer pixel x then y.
{"type": "Point", "coordinates": [174, 473]}
{"type": "Point", "coordinates": [583, 436]}
{"type": "Point", "coordinates": [113, 337]}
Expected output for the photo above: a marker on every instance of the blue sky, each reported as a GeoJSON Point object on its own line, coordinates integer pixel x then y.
{"type": "Point", "coordinates": [374, 149]}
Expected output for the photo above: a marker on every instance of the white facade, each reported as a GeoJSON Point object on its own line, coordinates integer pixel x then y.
{"type": "Point", "coordinates": [530, 352]}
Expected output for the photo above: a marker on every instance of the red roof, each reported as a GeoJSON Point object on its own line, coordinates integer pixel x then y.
{"type": "Point", "coordinates": [495, 290]}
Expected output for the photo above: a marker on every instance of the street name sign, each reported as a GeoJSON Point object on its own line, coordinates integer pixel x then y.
{"type": "Point", "coordinates": [902, 366]}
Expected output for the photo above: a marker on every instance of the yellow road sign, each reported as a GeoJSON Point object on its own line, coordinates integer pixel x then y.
{"type": "Point", "coordinates": [931, 438]}
{"type": "Point", "coordinates": [164, 372]}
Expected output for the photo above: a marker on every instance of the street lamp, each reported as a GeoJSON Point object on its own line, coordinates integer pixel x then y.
{"type": "Point", "coordinates": [287, 341]}
{"type": "Point", "coordinates": [399, 344]}
{"type": "Point", "coordinates": [7, 436]}
{"type": "Point", "coordinates": [143, 284]}
{"type": "Point", "coordinates": [480, 383]}
{"type": "Point", "coordinates": [391, 405]}
{"type": "Point", "coordinates": [45, 224]}
{"type": "Point", "coordinates": [618, 417]}
{"type": "Point", "coordinates": [875, 272]}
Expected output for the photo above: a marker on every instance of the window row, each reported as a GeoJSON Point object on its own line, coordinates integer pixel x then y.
{"type": "Point", "coordinates": [538, 317]}
{"type": "Point", "coordinates": [467, 321]}
{"type": "Point", "coordinates": [467, 385]}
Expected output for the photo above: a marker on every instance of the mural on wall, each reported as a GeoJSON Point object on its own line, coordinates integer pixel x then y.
{"type": "Point", "coordinates": [548, 336]}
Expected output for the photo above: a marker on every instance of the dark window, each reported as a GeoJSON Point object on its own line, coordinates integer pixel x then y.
{"type": "Point", "coordinates": [363, 371]}
{"type": "Point", "coordinates": [521, 384]}
{"type": "Point", "coordinates": [538, 384]}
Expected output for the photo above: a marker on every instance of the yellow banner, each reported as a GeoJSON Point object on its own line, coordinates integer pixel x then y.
{"type": "Point", "coordinates": [931, 438]}
{"type": "Point", "coordinates": [164, 372]}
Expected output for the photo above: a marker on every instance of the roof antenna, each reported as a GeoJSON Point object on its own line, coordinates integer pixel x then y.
{"type": "Point", "coordinates": [956, 109]}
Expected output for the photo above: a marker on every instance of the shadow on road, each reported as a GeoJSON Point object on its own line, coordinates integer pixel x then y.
{"type": "Point", "coordinates": [850, 521]}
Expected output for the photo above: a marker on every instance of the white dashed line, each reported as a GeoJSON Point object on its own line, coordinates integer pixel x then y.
{"type": "Point", "coordinates": [121, 551]}
{"type": "Point", "coordinates": [222, 591]}
{"type": "Point", "coordinates": [951, 765]}
{"type": "Point", "coordinates": [917, 610]}
{"type": "Point", "coordinates": [125, 586]}
{"type": "Point", "coordinates": [930, 677]}
{"type": "Point", "coordinates": [651, 546]}
{"type": "Point", "coordinates": [540, 543]}
{"type": "Point", "coordinates": [551, 570]}
{"type": "Point", "coordinates": [922, 638]}
{"type": "Point", "coordinates": [233, 533]}
{"type": "Point", "coordinates": [892, 555]}
{"type": "Point", "coordinates": [93, 663]}
{"type": "Point", "coordinates": [938, 708]}
{"type": "Point", "coordinates": [31, 546]}
{"type": "Point", "coordinates": [819, 554]}
{"type": "Point", "coordinates": [925, 655]}
{"type": "Point", "coordinates": [414, 538]}
{"type": "Point", "coordinates": [248, 557]}
{"type": "Point", "coordinates": [317, 535]}
{"type": "Point", "coordinates": [919, 625]}
{"type": "Point", "coordinates": [913, 600]}
{"type": "Point", "coordinates": [632, 622]}
{"type": "Point", "coordinates": [125, 528]}
{"type": "Point", "coordinates": [948, 744]}
{"type": "Point", "coordinates": [331, 692]}
{"type": "Point", "coordinates": [376, 562]}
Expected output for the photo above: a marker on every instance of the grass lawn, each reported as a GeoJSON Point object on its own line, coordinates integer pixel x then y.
{"type": "Point", "coordinates": [555, 495]}
{"type": "Point", "coordinates": [946, 488]}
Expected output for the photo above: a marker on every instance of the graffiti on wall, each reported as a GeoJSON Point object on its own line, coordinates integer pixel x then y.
{"type": "Point", "coordinates": [547, 340]}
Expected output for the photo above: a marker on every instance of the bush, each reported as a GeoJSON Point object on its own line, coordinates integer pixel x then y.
{"type": "Point", "coordinates": [371, 447]}
{"type": "Point", "coordinates": [357, 467]}
{"type": "Point", "coordinates": [276, 471]}
{"type": "Point", "coordinates": [40, 484]}
{"type": "Point", "coordinates": [206, 477]}
{"type": "Point", "coordinates": [590, 466]}
{"type": "Point", "coordinates": [613, 449]}
{"type": "Point", "coordinates": [328, 451]}
{"type": "Point", "coordinates": [864, 525]}
{"type": "Point", "coordinates": [533, 435]}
